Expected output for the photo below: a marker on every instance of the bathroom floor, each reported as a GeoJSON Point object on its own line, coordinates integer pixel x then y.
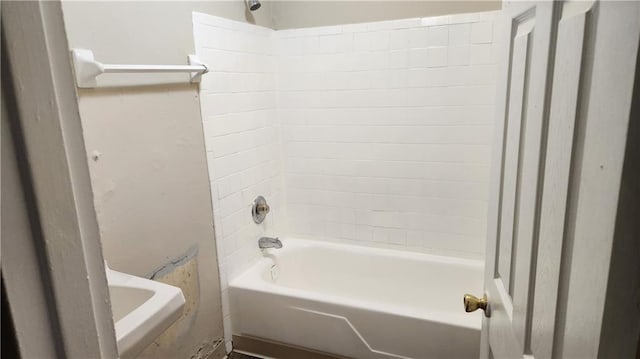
{"type": "Point", "coordinates": [236, 355]}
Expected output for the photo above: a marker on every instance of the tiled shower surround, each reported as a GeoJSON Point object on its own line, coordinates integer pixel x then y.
{"type": "Point", "coordinates": [373, 134]}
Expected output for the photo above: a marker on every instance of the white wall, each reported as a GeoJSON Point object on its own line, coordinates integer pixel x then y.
{"type": "Point", "coordinates": [306, 13]}
{"type": "Point", "coordinates": [148, 31]}
{"type": "Point", "coordinates": [238, 98]}
{"type": "Point", "coordinates": [387, 130]}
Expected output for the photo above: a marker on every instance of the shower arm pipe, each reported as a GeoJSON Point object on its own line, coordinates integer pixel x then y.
{"type": "Point", "coordinates": [87, 69]}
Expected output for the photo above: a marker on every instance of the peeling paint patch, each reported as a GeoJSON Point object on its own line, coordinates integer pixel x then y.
{"type": "Point", "coordinates": [172, 265]}
{"type": "Point", "coordinates": [183, 273]}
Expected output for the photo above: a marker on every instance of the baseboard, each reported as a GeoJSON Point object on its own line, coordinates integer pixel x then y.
{"type": "Point", "coordinates": [269, 349]}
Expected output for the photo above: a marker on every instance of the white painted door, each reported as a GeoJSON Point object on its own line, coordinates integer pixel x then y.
{"type": "Point", "coordinates": [559, 86]}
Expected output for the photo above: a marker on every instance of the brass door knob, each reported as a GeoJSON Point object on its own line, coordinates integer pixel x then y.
{"type": "Point", "coordinates": [473, 303]}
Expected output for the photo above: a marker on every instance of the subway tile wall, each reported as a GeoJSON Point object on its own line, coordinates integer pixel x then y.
{"type": "Point", "coordinates": [238, 104]}
{"type": "Point", "coordinates": [387, 131]}
{"type": "Point", "coordinates": [376, 134]}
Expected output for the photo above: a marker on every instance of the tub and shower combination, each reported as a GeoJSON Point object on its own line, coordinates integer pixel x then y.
{"type": "Point", "coordinates": [359, 302]}
{"type": "Point", "coordinates": [373, 135]}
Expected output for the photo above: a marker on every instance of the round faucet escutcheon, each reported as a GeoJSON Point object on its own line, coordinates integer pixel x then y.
{"type": "Point", "coordinates": [259, 209]}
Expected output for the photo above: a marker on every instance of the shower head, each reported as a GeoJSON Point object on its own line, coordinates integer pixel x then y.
{"type": "Point", "coordinates": [253, 4]}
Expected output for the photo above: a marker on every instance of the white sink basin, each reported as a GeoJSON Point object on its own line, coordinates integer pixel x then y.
{"type": "Point", "coordinates": [142, 310]}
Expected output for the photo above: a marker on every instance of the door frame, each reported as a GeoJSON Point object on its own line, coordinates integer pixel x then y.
{"type": "Point", "coordinates": [55, 264]}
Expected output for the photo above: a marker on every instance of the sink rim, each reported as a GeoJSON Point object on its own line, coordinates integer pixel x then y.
{"type": "Point", "coordinates": [122, 292]}
{"type": "Point", "coordinates": [138, 328]}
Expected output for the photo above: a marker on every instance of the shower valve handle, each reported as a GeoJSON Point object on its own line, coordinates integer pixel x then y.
{"type": "Point", "coordinates": [262, 208]}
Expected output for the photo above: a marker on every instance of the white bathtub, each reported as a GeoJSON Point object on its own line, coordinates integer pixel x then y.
{"type": "Point", "coordinates": [359, 302]}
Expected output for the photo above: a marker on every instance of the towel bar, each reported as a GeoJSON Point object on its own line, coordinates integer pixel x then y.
{"type": "Point", "coordinates": [87, 68]}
